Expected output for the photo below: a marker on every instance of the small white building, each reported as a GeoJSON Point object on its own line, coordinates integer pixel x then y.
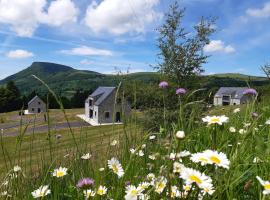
{"type": "Point", "coordinates": [36, 105]}
{"type": "Point", "coordinates": [101, 107]}
{"type": "Point", "coordinates": [231, 96]}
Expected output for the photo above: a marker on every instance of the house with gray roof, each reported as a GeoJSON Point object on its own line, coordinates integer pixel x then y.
{"type": "Point", "coordinates": [101, 107]}
{"type": "Point", "coordinates": [36, 105]}
{"type": "Point", "coordinates": [231, 96]}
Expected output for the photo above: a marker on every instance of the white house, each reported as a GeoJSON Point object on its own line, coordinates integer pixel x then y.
{"type": "Point", "coordinates": [231, 96]}
{"type": "Point", "coordinates": [36, 105]}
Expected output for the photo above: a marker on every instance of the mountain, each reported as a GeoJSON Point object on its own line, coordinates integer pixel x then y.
{"type": "Point", "coordinates": [64, 79]}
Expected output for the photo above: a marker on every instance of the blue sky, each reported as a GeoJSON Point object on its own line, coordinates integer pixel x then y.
{"type": "Point", "coordinates": [106, 35]}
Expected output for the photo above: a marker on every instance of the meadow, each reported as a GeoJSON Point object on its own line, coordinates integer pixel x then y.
{"type": "Point", "coordinates": [223, 153]}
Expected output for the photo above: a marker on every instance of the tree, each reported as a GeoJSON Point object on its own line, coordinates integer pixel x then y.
{"type": "Point", "coordinates": [266, 69]}
{"type": "Point", "coordinates": [181, 52]}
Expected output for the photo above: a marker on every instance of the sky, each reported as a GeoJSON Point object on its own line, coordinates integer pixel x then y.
{"type": "Point", "coordinates": [111, 35]}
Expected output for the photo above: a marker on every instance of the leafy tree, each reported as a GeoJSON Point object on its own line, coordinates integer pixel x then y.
{"type": "Point", "coordinates": [181, 52]}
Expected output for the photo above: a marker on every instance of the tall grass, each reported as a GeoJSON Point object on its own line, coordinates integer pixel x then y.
{"type": "Point", "coordinates": [141, 153]}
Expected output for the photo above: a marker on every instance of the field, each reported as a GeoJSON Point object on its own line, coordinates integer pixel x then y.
{"type": "Point", "coordinates": [196, 157]}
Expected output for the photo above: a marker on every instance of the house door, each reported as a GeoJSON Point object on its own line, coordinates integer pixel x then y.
{"type": "Point", "coordinates": [38, 110]}
{"type": "Point", "coordinates": [118, 117]}
{"type": "Point", "coordinates": [91, 113]}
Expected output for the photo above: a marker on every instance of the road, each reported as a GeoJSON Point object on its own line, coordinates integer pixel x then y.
{"type": "Point", "coordinates": [44, 128]}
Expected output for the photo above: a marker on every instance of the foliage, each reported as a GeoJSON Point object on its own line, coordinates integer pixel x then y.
{"type": "Point", "coordinates": [181, 52]}
{"type": "Point", "coordinates": [266, 69]}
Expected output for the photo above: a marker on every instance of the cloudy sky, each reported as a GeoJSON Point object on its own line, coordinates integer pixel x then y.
{"type": "Point", "coordinates": [103, 35]}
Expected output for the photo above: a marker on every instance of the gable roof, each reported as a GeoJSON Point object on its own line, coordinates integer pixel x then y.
{"type": "Point", "coordinates": [101, 93]}
{"type": "Point", "coordinates": [35, 98]}
{"type": "Point", "coordinates": [234, 92]}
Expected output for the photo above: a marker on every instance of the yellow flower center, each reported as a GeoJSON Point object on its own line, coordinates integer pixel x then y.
{"type": "Point", "coordinates": [215, 120]}
{"type": "Point", "coordinates": [267, 186]}
{"type": "Point", "coordinates": [195, 179]}
{"type": "Point", "coordinates": [187, 188]}
{"type": "Point", "coordinates": [59, 174]}
{"type": "Point", "coordinates": [133, 192]}
{"type": "Point", "coordinates": [114, 168]}
{"type": "Point", "coordinates": [215, 159]}
{"type": "Point", "coordinates": [100, 191]}
{"type": "Point", "coordinates": [42, 194]}
{"type": "Point", "coordinates": [203, 159]}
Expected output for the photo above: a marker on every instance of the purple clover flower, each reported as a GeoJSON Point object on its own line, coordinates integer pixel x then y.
{"type": "Point", "coordinates": [250, 91]}
{"type": "Point", "coordinates": [85, 183]}
{"type": "Point", "coordinates": [163, 84]}
{"type": "Point", "coordinates": [180, 91]}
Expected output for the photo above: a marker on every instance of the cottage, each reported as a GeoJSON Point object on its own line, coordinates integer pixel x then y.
{"type": "Point", "coordinates": [36, 105]}
{"type": "Point", "coordinates": [101, 108]}
{"type": "Point", "coordinates": [231, 96]}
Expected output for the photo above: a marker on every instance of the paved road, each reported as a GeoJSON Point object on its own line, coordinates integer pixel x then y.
{"type": "Point", "coordinates": [44, 128]}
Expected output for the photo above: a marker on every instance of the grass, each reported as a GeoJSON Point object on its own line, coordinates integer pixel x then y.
{"type": "Point", "coordinates": [245, 155]}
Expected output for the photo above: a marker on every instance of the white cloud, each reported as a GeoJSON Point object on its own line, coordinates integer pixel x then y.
{"type": "Point", "coordinates": [119, 17]}
{"type": "Point", "coordinates": [264, 12]}
{"type": "Point", "coordinates": [218, 46]}
{"type": "Point", "coordinates": [86, 62]}
{"type": "Point", "coordinates": [19, 53]}
{"type": "Point", "coordinates": [88, 51]}
{"type": "Point", "coordinates": [24, 16]}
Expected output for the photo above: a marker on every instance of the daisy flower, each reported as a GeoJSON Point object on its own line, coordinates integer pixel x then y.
{"type": "Point", "coordinates": [174, 192]}
{"type": "Point", "coordinates": [114, 143]}
{"type": "Point", "coordinates": [232, 129]}
{"type": "Point", "coordinates": [132, 151]}
{"type": "Point", "coordinates": [160, 184]}
{"type": "Point", "coordinates": [42, 191]}
{"type": "Point", "coordinates": [140, 153]}
{"type": "Point", "coordinates": [182, 154]}
{"type": "Point", "coordinates": [267, 122]}
{"type": "Point", "coordinates": [143, 186]}
{"type": "Point", "coordinates": [115, 165]}
{"type": "Point", "coordinates": [102, 190]}
{"type": "Point", "coordinates": [177, 167]}
{"type": "Point", "coordinates": [215, 119]}
{"type": "Point", "coordinates": [132, 193]}
{"type": "Point", "coordinates": [217, 158]}
{"type": "Point", "coordinates": [60, 172]}
{"type": "Point", "coordinates": [180, 134]}
{"type": "Point", "coordinates": [86, 156]}
{"type": "Point", "coordinates": [17, 168]}
{"type": "Point", "coordinates": [265, 184]}
{"type": "Point", "coordinates": [236, 110]}
{"type": "Point", "coordinates": [89, 193]}
{"type": "Point", "coordinates": [242, 131]}
{"type": "Point", "coordinates": [193, 176]}
{"type": "Point", "coordinates": [200, 158]}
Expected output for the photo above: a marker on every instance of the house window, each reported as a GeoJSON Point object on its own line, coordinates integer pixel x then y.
{"type": "Point", "coordinates": [33, 109]}
{"type": "Point", "coordinates": [107, 115]}
{"type": "Point", "coordinates": [95, 113]}
{"type": "Point", "coordinates": [90, 102]}
{"type": "Point", "coordinates": [38, 103]}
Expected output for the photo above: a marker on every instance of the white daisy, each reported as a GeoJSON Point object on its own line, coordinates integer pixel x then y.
{"type": "Point", "coordinates": [86, 156]}
{"type": "Point", "coordinates": [42, 191]}
{"type": "Point", "coordinates": [132, 151]}
{"type": "Point", "coordinates": [175, 192]}
{"type": "Point", "coordinates": [215, 119]}
{"type": "Point", "coordinates": [182, 154]}
{"type": "Point", "coordinates": [232, 129]}
{"type": "Point", "coordinates": [160, 184]}
{"type": "Point", "coordinates": [152, 137]}
{"type": "Point", "coordinates": [200, 158]}
{"type": "Point", "coordinates": [60, 172]}
{"type": "Point", "coordinates": [242, 131]}
{"type": "Point", "coordinates": [132, 193]}
{"type": "Point", "coordinates": [115, 165]}
{"type": "Point", "coordinates": [177, 167]}
{"type": "Point", "coordinates": [267, 122]}
{"type": "Point", "coordinates": [102, 190]}
{"type": "Point", "coordinates": [140, 153]}
{"type": "Point", "coordinates": [265, 184]}
{"type": "Point", "coordinates": [143, 186]}
{"type": "Point", "coordinates": [89, 193]}
{"type": "Point", "coordinates": [217, 158]}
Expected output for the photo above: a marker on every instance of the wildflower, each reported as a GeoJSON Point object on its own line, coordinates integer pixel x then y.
{"type": "Point", "coordinates": [89, 193]}
{"type": "Point", "coordinates": [163, 84]}
{"type": "Point", "coordinates": [152, 137]}
{"type": "Point", "coordinates": [254, 115]}
{"type": "Point", "coordinates": [187, 188]}
{"type": "Point", "coordinates": [85, 183]}
{"type": "Point", "coordinates": [200, 158]}
{"type": "Point", "coordinates": [102, 190]}
{"type": "Point", "coordinates": [60, 172]}
{"type": "Point", "coordinates": [132, 193]}
{"type": "Point", "coordinates": [132, 151]}
{"type": "Point", "coordinates": [42, 191]}
{"type": "Point", "coordinates": [115, 165]}
{"type": "Point", "coordinates": [247, 125]}
{"type": "Point", "coordinates": [151, 177]}
{"type": "Point", "coordinates": [114, 143]}
{"type": "Point", "coordinates": [160, 184]}
{"type": "Point", "coordinates": [140, 153]}
{"type": "Point", "coordinates": [232, 129]}
{"type": "Point", "coordinates": [265, 184]}
{"type": "Point", "coordinates": [242, 131]}
{"type": "Point", "coordinates": [217, 158]}
{"type": "Point", "coordinates": [208, 189]}
{"type": "Point", "coordinates": [17, 168]}
{"type": "Point", "coordinates": [180, 134]}
{"type": "Point", "coordinates": [174, 192]}
{"type": "Point", "coordinates": [250, 91]}
{"type": "Point", "coordinates": [143, 186]}
{"type": "Point", "coordinates": [182, 154]}
{"type": "Point", "coordinates": [143, 146]}
{"type": "Point", "coordinates": [267, 122]}
{"type": "Point", "coordinates": [215, 119]}
{"type": "Point", "coordinates": [177, 167]}
{"type": "Point", "coordinates": [172, 156]}
{"type": "Point", "coordinates": [86, 156]}
{"type": "Point", "coordinates": [101, 169]}
{"type": "Point", "coordinates": [180, 91]}
{"type": "Point", "coordinates": [193, 176]}
{"type": "Point", "coordinates": [152, 157]}
{"type": "Point", "coordinates": [236, 110]}
{"type": "Point", "coordinates": [257, 160]}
